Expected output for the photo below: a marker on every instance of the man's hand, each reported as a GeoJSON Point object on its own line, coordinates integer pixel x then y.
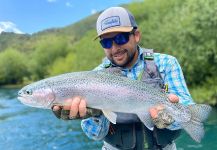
{"type": "Point", "coordinates": [74, 108]}
{"type": "Point", "coordinates": [160, 118]}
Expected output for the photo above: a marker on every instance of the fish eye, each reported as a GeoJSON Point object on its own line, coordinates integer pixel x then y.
{"type": "Point", "coordinates": [29, 92]}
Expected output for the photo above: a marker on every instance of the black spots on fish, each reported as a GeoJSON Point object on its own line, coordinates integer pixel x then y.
{"type": "Point", "coordinates": [195, 129]}
{"type": "Point", "coordinates": [200, 111]}
{"type": "Point", "coordinates": [114, 71]}
{"type": "Point", "coordinates": [63, 92]}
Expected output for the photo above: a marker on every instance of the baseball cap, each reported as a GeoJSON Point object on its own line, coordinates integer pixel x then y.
{"type": "Point", "coordinates": [115, 19]}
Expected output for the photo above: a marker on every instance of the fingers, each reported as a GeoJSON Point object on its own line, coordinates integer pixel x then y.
{"type": "Point", "coordinates": [75, 102]}
{"type": "Point", "coordinates": [67, 104]}
{"type": "Point", "coordinates": [56, 108]}
{"type": "Point", "coordinates": [173, 98]}
{"type": "Point", "coordinates": [154, 111]}
{"type": "Point", "coordinates": [160, 117]}
{"type": "Point", "coordinates": [163, 119]}
{"type": "Point", "coordinates": [57, 111]}
{"type": "Point", "coordinates": [78, 107]}
{"type": "Point", "coordinates": [82, 108]}
{"type": "Point", "coordinates": [72, 108]}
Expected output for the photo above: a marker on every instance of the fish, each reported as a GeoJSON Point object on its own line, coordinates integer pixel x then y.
{"type": "Point", "coordinates": [111, 92]}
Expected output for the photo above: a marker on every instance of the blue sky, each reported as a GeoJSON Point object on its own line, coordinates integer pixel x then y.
{"type": "Point", "coordinates": [30, 16]}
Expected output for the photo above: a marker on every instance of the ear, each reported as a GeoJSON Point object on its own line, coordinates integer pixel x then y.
{"type": "Point", "coordinates": [137, 35]}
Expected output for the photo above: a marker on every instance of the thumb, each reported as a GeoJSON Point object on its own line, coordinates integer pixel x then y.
{"type": "Point", "coordinates": [57, 111]}
{"type": "Point", "coordinates": [173, 98]}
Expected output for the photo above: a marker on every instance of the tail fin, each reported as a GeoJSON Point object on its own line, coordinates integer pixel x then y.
{"type": "Point", "coordinates": [199, 113]}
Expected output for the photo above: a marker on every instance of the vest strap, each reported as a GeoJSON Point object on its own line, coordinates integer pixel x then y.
{"type": "Point", "coordinates": [151, 74]}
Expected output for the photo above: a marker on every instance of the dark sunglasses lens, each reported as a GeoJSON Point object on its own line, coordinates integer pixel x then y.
{"type": "Point", "coordinates": [106, 43]}
{"type": "Point", "coordinates": [121, 38]}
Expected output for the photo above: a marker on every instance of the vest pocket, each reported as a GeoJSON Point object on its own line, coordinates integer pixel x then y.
{"type": "Point", "coordinates": [156, 83]}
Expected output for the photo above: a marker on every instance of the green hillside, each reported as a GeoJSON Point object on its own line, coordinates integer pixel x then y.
{"type": "Point", "coordinates": [12, 40]}
{"type": "Point", "coordinates": [186, 29]}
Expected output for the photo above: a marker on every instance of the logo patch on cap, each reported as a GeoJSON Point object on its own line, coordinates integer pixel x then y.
{"type": "Point", "coordinates": [110, 22]}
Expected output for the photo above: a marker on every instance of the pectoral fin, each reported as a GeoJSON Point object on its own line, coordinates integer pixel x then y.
{"type": "Point", "coordinates": [146, 119]}
{"type": "Point", "coordinates": [111, 116]}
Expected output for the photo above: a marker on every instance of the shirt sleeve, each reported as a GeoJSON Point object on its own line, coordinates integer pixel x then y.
{"type": "Point", "coordinates": [176, 83]}
{"type": "Point", "coordinates": [95, 128]}
{"type": "Point", "coordinates": [174, 78]}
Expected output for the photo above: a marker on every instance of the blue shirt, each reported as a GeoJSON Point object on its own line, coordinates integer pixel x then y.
{"type": "Point", "coordinates": [97, 127]}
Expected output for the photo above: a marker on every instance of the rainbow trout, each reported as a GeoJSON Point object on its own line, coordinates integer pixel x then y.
{"type": "Point", "coordinates": [111, 92]}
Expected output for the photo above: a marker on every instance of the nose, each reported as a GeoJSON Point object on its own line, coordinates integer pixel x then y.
{"type": "Point", "coordinates": [115, 46]}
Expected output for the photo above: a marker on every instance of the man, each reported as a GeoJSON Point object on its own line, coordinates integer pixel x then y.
{"type": "Point", "coordinates": [119, 36]}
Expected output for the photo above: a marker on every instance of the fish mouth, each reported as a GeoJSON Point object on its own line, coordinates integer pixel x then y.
{"type": "Point", "coordinates": [26, 101]}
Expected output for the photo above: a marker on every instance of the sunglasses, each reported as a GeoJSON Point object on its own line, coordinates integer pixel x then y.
{"type": "Point", "coordinates": [120, 39]}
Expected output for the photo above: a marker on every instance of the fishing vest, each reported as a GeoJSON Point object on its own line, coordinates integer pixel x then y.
{"type": "Point", "coordinates": [130, 133]}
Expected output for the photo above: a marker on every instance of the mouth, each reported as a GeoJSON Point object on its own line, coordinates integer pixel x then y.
{"type": "Point", "coordinates": [20, 98]}
{"type": "Point", "coordinates": [33, 103]}
{"type": "Point", "coordinates": [23, 100]}
{"type": "Point", "coordinates": [28, 102]}
{"type": "Point", "coordinates": [119, 54]}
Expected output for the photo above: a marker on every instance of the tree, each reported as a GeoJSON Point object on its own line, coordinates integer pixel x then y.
{"type": "Point", "coordinates": [13, 67]}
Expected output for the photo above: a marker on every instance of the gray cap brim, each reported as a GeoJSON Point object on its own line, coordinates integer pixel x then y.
{"type": "Point", "coordinates": [114, 29]}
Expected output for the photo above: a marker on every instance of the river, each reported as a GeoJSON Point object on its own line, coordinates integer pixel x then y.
{"type": "Point", "coordinates": [27, 128]}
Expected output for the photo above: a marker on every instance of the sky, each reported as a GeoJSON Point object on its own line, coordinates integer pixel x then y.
{"type": "Point", "coordinates": [31, 16]}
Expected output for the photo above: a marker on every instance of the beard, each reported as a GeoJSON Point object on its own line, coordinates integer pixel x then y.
{"type": "Point", "coordinates": [126, 61]}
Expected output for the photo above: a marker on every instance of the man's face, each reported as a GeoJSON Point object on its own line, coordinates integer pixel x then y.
{"type": "Point", "coordinates": [122, 55]}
